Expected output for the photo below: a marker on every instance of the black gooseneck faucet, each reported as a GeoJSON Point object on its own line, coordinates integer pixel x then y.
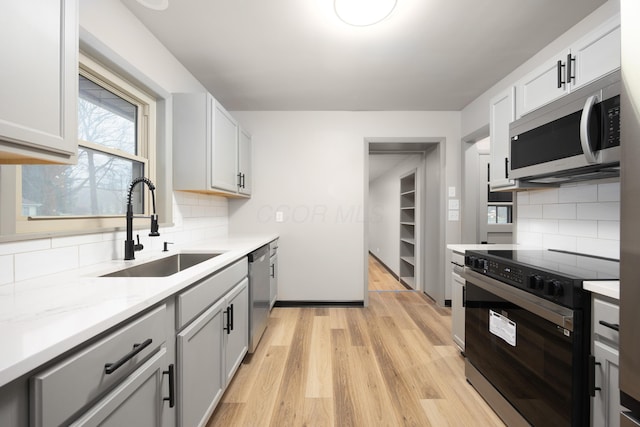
{"type": "Point", "coordinates": [130, 247]}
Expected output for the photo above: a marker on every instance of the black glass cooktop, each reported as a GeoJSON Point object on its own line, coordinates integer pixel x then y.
{"type": "Point", "coordinates": [568, 264]}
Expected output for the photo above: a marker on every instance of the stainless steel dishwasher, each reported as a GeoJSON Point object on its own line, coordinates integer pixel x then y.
{"type": "Point", "coordinates": [259, 294]}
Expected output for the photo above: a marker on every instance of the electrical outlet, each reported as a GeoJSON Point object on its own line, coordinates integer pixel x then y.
{"type": "Point", "coordinates": [279, 216]}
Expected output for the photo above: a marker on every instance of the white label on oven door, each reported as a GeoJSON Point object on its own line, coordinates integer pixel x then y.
{"type": "Point", "coordinates": [502, 327]}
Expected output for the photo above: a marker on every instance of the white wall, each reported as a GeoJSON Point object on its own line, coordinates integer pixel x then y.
{"type": "Point", "coordinates": [384, 212]}
{"type": "Point", "coordinates": [581, 218]}
{"type": "Point", "coordinates": [311, 166]}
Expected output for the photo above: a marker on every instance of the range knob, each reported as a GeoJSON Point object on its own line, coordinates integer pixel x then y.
{"type": "Point", "coordinates": [536, 282]}
{"type": "Point", "coordinates": [480, 263]}
{"type": "Point", "coordinates": [554, 288]}
{"type": "Point", "coordinates": [469, 260]}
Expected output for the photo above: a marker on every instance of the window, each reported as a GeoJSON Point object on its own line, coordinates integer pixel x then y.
{"type": "Point", "coordinates": [116, 145]}
{"type": "Point", "coordinates": [499, 204]}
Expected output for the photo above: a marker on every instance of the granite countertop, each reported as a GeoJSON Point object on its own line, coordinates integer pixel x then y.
{"type": "Point", "coordinates": [42, 318]}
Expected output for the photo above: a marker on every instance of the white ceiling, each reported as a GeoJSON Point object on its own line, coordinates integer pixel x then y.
{"type": "Point", "coordinates": [297, 55]}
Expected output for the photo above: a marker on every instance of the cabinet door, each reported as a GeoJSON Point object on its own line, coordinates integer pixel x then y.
{"type": "Point", "coordinates": [598, 53]}
{"type": "Point", "coordinates": [502, 112]}
{"type": "Point", "coordinates": [199, 358]}
{"type": "Point", "coordinates": [38, 81]}
{"type": "Point", "coordinates": [457, 309]}
{"type": "Point", "coordinates": [236, 328]}
{"type": "Point", "coordinates": [224, 150]}
{"type": "Point", "coordinates": [137, 401]}
{"type": "Point", "coordinates": [606, 403]}
{"type": "Point", "coordinates": [541, 85]}
{"type": "Point", "coordinates": [244, 162]}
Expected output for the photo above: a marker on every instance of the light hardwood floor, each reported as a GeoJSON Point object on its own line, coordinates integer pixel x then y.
{"type": "Point", "coordinates": [390, 364]}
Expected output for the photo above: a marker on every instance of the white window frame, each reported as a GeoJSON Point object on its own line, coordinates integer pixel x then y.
{"type": "Point", "coordinates": [146, 150]}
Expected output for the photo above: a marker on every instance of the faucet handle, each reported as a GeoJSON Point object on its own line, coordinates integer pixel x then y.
{"type": "Point", "coordinates": [166, 246]}
{"type": "Point", "coordinates": [138, 246]}
{"type": "Point", "coordinates": [154, 226]}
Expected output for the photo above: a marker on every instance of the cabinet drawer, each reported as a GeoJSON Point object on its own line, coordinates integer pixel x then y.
{"type": "Point", "coordinates": [195, 300]}
{"type": "Point", "coordinates": [457, 258]}
{"type": "Point", "coordinates": [58, 392]}
{"type": "Point", "coordinates": [607, 312]}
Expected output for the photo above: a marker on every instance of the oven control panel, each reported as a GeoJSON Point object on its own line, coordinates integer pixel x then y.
{"type": "Point", "coordinates": [547, 285]}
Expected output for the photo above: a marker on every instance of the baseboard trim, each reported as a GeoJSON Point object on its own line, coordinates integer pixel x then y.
{"type": "Point", "coordinates": [323, 304]}
{"type": "Point", "coordinates": [386, 267]}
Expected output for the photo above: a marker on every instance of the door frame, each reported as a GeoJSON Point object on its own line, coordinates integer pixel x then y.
{"type": "Point", "coordinates": [432, 184]}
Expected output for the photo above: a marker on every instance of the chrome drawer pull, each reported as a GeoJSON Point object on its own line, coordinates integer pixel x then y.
{"type": "Point", "coordinates": [614, 326]}
{"type": "Point", "coordinates": [110, 368]}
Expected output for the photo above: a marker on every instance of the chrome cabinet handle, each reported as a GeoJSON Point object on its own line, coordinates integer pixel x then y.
{"type": "Point", "coordinates": [585, 139]}
{"type": "Point", "coordinates": [110, 368]}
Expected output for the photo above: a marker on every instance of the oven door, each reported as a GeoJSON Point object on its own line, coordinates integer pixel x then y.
{"type": "Point", "coordinates": [530, 350]}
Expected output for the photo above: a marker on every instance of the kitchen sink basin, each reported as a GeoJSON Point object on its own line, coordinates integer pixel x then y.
{"type": "Point", "coordinates": [163, 267]}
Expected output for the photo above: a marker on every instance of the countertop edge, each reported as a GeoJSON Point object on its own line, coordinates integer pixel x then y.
{"type": "Point", "coordinates": [608, 288]}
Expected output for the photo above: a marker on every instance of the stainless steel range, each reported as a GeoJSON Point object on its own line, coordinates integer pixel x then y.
{"type": "Point", "coordinates": [527, 333]}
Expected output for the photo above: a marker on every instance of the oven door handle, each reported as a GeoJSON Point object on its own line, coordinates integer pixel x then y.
{"type": "Point", "coordinates": [548, 310]}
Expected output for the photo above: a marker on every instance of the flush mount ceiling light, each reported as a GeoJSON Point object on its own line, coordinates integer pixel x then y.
{"type": "Point", "coordinates": [155, 4]}
{"type": "Point", "coordinates": [363, 12]}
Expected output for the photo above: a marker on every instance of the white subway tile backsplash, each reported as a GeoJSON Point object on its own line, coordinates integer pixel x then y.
{"type": "Point", "coordinates": [609, 230]}
{"type": "Point", "coordinates": [578, 193]}
{"type": "Point", "coordinates": [578, 228]}
{"type": "Point", "coordinates": [59, 242]}
{"type": "Point", "coordinates": [40, 263]}
{"type": "Point", "coordinates": [559, 211]}
{"type": "Point", "coordinates": [522, 198]}
{"type": "Point", "coordinates": [601, 247]}
{"type": "Point", "coordinates": [530, 239]}
{"type": "Point", "coordinates": [565, 243]}
{"type": "Point", "coordinates": [587, 217]}
{"type": "Point", "coordinates": [24, 246]}
{"type": "Point", "coordinates": [547, 226]}
{"type": "Point", "coordinates": [606, 211]}
{"type": "Point", "coordinates": [544, 196]}
{"type": "Point", "coordinates": [530, 211]}
{"type": "Point", "coordinates": [609, 192]}
{"type": "Point", "coordinates": [6, 269]}
{"type": "Point", "coordinates": [94, 253]}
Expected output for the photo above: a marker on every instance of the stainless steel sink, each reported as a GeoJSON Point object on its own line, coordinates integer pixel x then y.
{"type": "Point", "coordinates": [163, 267]}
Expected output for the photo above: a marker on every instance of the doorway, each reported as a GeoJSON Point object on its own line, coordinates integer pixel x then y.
{"type": "Point", "coordinates": [386, 162]}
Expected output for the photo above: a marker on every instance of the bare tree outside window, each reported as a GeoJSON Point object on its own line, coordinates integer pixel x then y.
{"type": "Point", "coordinates": [98, 183]}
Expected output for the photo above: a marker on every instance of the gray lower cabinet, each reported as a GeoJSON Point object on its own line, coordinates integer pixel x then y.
{"type": "Point", "coordinates": [212, 345]}
{"type": "Point", "coordinates": [200, 383]}
{"type": "Point", "coordinates": [605, 407]}
{"type": "Point", "coordinates": [236, 329]}
{"type": "Point", "coordinates": [138, 401]}
{"type": "Point", "coordinates": [113, 366]}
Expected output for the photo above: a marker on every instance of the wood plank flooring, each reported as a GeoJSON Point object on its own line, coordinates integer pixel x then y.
{"type": "Point", "coordinates": [390, 364]}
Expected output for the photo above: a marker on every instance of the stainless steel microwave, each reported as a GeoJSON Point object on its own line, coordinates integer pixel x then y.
{"type": "Point", "coordinates": [575, 138]}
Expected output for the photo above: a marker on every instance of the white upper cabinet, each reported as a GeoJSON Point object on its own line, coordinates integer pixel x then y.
{"type": "Point", "coordinates": [502, 112]}
{"type": "Point", "coordinates": [244, 162]}
{"type": "Point", "coordinates": [591, 57]}
{"type": "Point", "coordinates": [208, 147]}
{"type": "Point", "coordinates": [543, 85]}
{"type": "Point", "coordinates": [598, 53]}
{"type": "Point", "coordinates": [38, 81]}
{"type": "Point", "coordinates": [224, 150]}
